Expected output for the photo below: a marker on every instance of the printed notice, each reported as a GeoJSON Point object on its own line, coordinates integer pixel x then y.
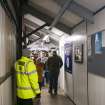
{"type": "Point", "coordinates": [103, 39]}
{"type": "Point", "coordinates": [98, 43]}
{"type": "Point", "coordinates": [89, 46]}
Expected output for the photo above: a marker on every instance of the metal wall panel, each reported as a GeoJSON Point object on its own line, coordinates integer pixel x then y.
{"type": "Point", "coordinates": [6, 93]}
{"type": "Point", "coordinates": [2, 58]}
{"type": "Point", "coordinates": [0, 37]}
{"type": "Point", "coordinates": [7, 56]}
{"type": "Point", "coordinates": [69, 85]}
{"type": "Point", "coordinates": [80, 69]}
{"type": "Point", "coordinates": [7, 43]}
{"type": "Point", "coordinates": [0, 95]}
{"type": "Point", "coordinates": [96, 82]}
{"type": "Point", "coordinates": [76, 84]}
{"type": "Point", "coordinates": [96, 89]}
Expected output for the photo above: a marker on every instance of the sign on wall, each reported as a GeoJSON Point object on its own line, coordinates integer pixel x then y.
{"type": "Point", "coordinates": [78, 53]}
{"type": "Point", "coordinates": [89, 46]}
{"type": "Point", "coordinates": [98, 43]}
{"type": "Point", "coordinates": [96, 62]}
{"type": "Point", "coordinates": [68, 57]}
{"type": "Point", "coordinates": [103, 38]}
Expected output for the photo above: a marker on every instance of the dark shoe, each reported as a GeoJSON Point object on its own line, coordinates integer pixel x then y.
{"type": "Point", "coordinates": [50, 91]}
{"type": "Point", "coordinates": [55, 93]}
{"type": "Point", "coordinates": [38, 96]}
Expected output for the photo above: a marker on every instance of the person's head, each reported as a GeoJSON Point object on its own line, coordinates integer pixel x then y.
{"type": "Point", "coordinates": [26, 53]}
{"type": "Point", "coordinates": [36, 55]}
{"type": "Point", "coordinates": [54, 53]}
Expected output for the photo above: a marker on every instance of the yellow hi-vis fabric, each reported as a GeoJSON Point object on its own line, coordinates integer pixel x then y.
{"type": "Point", "coordinates": [27, 78]}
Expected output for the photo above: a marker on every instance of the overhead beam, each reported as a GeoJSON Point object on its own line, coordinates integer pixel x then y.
{"type": "Point", "coordinates": [52, 41]}
{"type": "Point", "coordinates": [30, 23]}
{"type": "Point", "coordinates": [34, 41]}
{"type": "Point", "coordinates": [29, 29]}
{"type": "Point", "coordinates": [61, 12]}
{"type": "Point", "coordinates": [78, 9]}
{"type": "Point", "coordinates": [33, 11]}
{"type": "Point", "coordinates": [39, 28]}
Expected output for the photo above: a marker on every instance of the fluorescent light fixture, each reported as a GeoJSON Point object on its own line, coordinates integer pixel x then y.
{"type": "Point", "coordinates": [57, 31]}
{"type": "Point", "coordinates": [35, 36]}
{"type": "Point", "coordinates": [46, 27]}
{"type": "Point", "coordinates": [46, 37]}
{"type": "Point", "coordinates": [34, 19]}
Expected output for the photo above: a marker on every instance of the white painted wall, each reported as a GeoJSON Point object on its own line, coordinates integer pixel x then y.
{"type": "Point", "coordinates": [6, 90]}
{"type": "Point", "coordinates": [61, 50]}
{"type": "Point", "coordinates": [7, 43]}
{"type": "Point", "coordinates": [80, 69]}
{"type": "Point", "coordinates": [75, 84]}
{"type": "Point", "coordinates": [0, 95]}
{"type": "Point", "coordinates": [69, 85]}
{"type": "Point", "coordinates": [7, 58]}
{"type": "Point", "coordinates": [96, 84]}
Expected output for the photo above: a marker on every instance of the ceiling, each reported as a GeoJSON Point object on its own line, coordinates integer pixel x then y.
{"type": "Point", "coordinates": [36, 39]}
{"type": "Point", "coordinates": [51, 8]}
{"type": "Point", "coordinates": [47, 10]}
{"type": "Point", "coordinates": [93, 5]}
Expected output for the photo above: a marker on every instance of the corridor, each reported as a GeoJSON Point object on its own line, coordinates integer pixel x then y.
{"type": "Point", "coordinates": [74, 29]}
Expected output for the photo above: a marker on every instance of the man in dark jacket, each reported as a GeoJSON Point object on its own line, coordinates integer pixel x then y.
{"type": "Point", "coordinates": [54, 64]}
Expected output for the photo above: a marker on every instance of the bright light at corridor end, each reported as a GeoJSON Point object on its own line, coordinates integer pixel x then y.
{"type": "Point", "coordinates": [75, 37]}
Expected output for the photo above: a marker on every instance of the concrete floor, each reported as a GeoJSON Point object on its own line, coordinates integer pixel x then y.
{"type": "Point", "coordinates": [60, 99]}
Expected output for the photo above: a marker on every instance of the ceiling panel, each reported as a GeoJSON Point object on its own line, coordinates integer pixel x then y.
{"type": "Point", "coordinates": [70, 19]}
{"type": "Point", "coordinates": [31, 19]}
{"type": "Point", "coordinates": [51, 8]}
{"type": "Point", "coordinates": [47, 6]}
{"type": "Point", "coordinates": [93, 5]}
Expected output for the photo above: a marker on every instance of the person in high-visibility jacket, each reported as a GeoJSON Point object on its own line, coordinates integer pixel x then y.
{"type": "Point", "coordinates": [27, 80]}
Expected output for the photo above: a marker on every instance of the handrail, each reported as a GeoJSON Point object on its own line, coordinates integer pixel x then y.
{"type": "Point", "coordinates": [5, 77]}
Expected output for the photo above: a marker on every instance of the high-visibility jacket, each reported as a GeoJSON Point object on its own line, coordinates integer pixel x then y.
{"type": "Point", "coordinates": [27, 78]}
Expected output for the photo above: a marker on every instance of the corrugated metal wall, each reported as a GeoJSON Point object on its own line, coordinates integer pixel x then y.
{"type": "Point", "coordinates": [76, 84]}
{"type": "Point", "coordinates": [96, 83]}
{"type": "Point", "coordinates": [80, 69]}
{"type": "Point", "coordinates": [7, 56]}
{"type": "Point", "coordinates": [6, 92]}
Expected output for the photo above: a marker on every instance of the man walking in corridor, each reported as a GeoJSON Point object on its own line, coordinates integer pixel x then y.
{"type": "Point", "coordinates": [54, 64]}
{"type": "Point", "coordinates": [27, 80]}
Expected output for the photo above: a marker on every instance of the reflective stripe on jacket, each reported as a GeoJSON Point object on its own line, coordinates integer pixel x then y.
{"type": "Point", "coordinates": [27, 78]}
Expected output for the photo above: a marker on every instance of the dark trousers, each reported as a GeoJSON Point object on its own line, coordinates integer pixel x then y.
{"type": "Point", "coordinates": [47, 76]}
{"type": "Point", "coordinates": [53, 82]}
{"type": "Point", "coordinates": [24, 101]}
{"type": "Point", "coordinates": [40, 85]}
